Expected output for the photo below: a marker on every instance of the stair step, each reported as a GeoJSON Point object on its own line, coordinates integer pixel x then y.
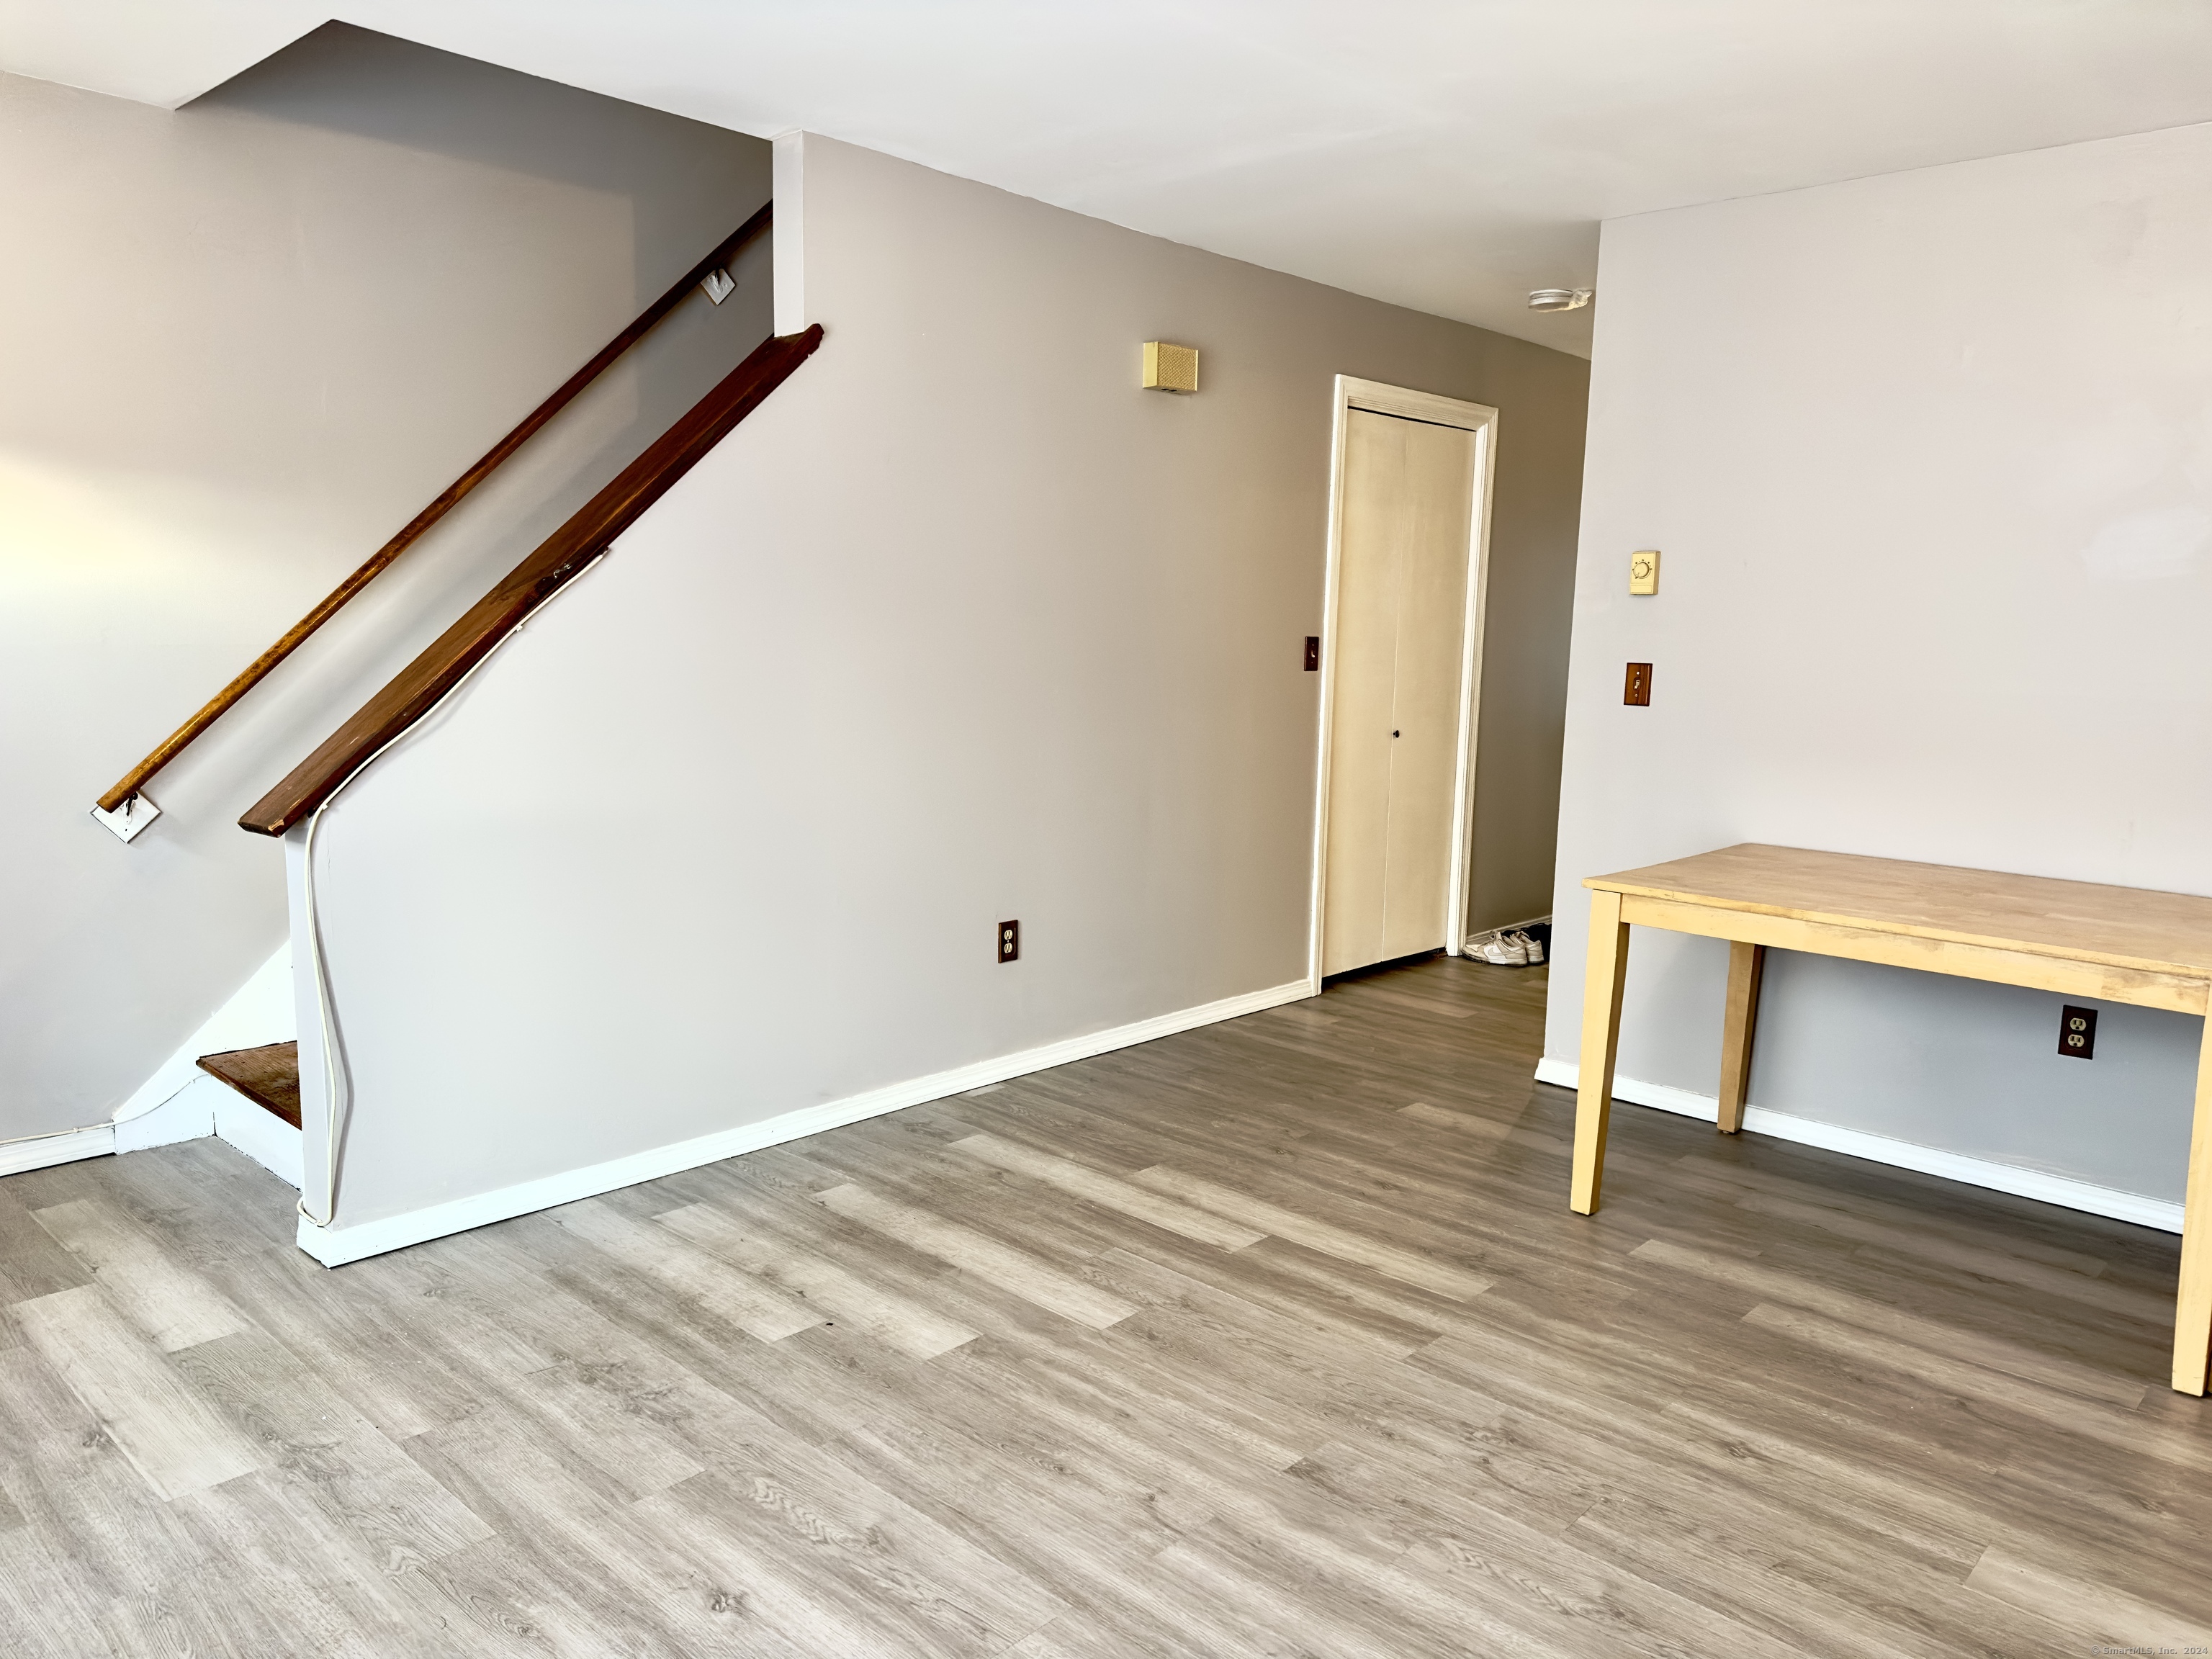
{"type": "Point", "coordinates": [269, 1076]}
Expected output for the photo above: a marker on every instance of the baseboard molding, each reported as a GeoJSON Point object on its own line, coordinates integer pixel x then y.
{"type": "Point", "coordinates": [188, 1114]}
{"type": "Point", "coordinates": [1881, 1149]}
{"type": "Point", "coordinates": [64, 1148]}
{"type": "Point", "coordinates": [336, 1245]}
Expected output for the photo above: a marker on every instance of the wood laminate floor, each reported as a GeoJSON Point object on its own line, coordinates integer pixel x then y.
{"type": "Point", "coordinates": [1274, 1338]}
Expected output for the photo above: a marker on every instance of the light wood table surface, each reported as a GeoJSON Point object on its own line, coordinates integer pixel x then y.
{"type": "Point", "coordinates": [2105, 943]}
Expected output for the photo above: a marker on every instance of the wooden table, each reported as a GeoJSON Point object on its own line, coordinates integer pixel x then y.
{"type": "Point", "coordinates": [2105, 944]}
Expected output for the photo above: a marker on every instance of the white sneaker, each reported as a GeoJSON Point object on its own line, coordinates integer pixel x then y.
{"type": "Point", "coordinates": [1500, 951]}
{"type": "Point", "coordinates": [1534, 951]}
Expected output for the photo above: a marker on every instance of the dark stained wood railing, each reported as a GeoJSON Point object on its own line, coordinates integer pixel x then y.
{"type": "Point", "coordinates": [564, 555]}
{"type": "Point", "coordinates": [136, 779]}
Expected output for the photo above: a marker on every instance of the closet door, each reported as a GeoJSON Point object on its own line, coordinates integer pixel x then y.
{"type": "Point", "coordinates": [1394, 750]}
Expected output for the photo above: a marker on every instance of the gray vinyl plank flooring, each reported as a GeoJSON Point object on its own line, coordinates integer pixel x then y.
{"type": "Point", "coordinates": [1274, 1338]}
{"type": "Point", "coordinates": [975, 1252]}
{"type": "Point", "coordinates": [902, 1322]}
{"type": "Point", "coordinates": [175, 1307]}
{"type": "Point", "coordinates": [31, 1263]}
{"type": "Point", "coordinates": [174, 1436]}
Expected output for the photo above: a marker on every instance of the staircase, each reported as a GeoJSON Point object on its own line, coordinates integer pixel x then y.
{"type": "Point", "coordinates": [123, 807]}
{"type": "Point", "coordinates": [261, 1116]}
{"type": "Point", "coordinates": [268, 1078]}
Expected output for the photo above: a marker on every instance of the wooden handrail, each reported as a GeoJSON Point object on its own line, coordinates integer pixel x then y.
{"type": "Point", "coordinates": [565, 553]}
{"type": "Point", "coordinates": [135, 780]}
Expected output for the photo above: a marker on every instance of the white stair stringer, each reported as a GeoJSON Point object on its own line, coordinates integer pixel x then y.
{"type": "Point", "coordinates": [258, 1132]}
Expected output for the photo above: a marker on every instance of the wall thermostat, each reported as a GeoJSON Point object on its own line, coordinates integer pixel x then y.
{"type": "Point", "coordinates": [1643, 571]}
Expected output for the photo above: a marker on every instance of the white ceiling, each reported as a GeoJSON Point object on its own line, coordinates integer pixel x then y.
{"type": "Point", "coordinates": [1448, 157]}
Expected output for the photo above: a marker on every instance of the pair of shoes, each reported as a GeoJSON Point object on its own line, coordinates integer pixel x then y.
{"type": "Point", "coordinates": [1500, 951]}
{"type": "Point", "coordinates": [1513, 949]}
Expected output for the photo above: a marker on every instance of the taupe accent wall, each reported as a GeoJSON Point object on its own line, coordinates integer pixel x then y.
{"type": "Point", "coordinates": [961, 626]}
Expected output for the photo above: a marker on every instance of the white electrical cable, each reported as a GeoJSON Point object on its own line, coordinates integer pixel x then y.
{"type": "Point", "coordinates": [56, 1134]}
{"type": "Point", "coordinates": [121, 1117]}
{"type": "Point", "coordinates": [335, 1072]}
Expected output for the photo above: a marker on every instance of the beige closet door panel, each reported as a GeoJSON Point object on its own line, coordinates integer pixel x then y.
{"type": "Point", "coordinates": [1394, 749]}
{"type": "Point", "coordinates": [1370, 554]}
{"type": "Point", "coordinates": [1436, 507]}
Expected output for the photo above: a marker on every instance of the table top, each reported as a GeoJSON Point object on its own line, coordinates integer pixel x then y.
{"type": "Point", "coordinates": [2083, 921]}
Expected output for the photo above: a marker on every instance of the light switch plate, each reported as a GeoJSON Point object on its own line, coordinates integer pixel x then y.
{"type": "Point", "coordinates": [1643, 571]}
{"type": "Point", "coordinates": [126, 820]}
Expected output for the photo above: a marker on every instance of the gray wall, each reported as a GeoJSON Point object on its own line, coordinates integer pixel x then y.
{"type": "Point", "coordinates": [961, 626]}
{"type": "Point", "coordinates": [1530, 600]}
{"type": "Point", "coordinates": [243, 344]}
{"type": "Point", "coordinates": [1929, 457]}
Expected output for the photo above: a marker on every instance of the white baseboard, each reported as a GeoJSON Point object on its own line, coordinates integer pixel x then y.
{"type": "Point", "coordinates": [64, 1148]}
{"type": "Point", "coordinates": [1881, 1149]}
{"type": "Point", "coordinates": [335, 1245]}
{"type": "Point", "coordinates": [170, 1106]}
{"type": "Point", "coordinates": [187, 1114]}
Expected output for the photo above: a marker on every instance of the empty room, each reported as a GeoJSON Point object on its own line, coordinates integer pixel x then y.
{"type": "Point", "coordinates": [1220, 832]}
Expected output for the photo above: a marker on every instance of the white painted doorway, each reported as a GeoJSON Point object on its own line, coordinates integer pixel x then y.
{"type": "Point", "coordinates": [1402, 655]}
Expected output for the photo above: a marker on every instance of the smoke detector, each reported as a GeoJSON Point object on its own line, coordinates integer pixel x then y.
{"type": "Point", "coordinates": [1558, 299]}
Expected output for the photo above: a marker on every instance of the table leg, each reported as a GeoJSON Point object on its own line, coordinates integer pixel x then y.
{"type": "Point", "coordinates": [1601, 983]}
{"type": "Point", "coordinates": [2192, 1311]}
{"type": "Point", "coordinates": [1747, 964]}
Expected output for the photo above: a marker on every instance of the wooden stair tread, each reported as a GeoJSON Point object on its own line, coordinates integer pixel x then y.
{"type": "Point", "coordinates": [269, 1076]}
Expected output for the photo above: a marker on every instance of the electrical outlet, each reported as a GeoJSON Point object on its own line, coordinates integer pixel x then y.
{"type": "Point", "coordinates": [2077, 1032]}
{"type": "Point", "coordinates": [1638, 694]}
{"type": "Point", "coordinates": [1313, 653]}
{"type": "Point", "coordinates": [1009, 941]}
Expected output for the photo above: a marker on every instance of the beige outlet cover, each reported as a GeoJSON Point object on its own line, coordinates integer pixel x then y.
{"type": "Point", "coordinates": [1643, 571]}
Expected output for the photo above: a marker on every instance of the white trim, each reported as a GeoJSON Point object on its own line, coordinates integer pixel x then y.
{"type": "Point", "coordinates": [40, 1151]}
{"type": "Point", "coordinates": [1881, 1149]}
{"type": "Point", "coordinates": [1481, 420]}
{"type": "Point", "coordinates": [787, 187]}
{"type": "Point", "coordinates": [1331, 559]}
{"type": "Point", "coordinates": [336, 1245]}
{"type": "Point", "coordinates": [188, 1115]}
{"type": "Point", "coordinates": [1470, 687]}
{"type": "Point", "coordinates": [1434, 407]}
{"type": "Point", "coordinates": [308, 1020]}
{"type": "Point", "coordinates": [165, 1108]}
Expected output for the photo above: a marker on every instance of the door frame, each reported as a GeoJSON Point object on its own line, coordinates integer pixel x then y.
{"type": "Point", "coordinates": [1379, 398]}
